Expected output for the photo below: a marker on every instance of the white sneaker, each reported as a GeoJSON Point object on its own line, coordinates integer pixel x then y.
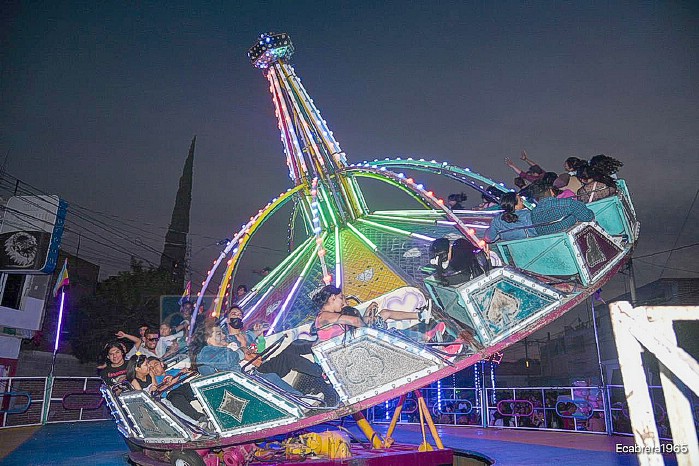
{"type": "Point", "coordinates": [315, 400]}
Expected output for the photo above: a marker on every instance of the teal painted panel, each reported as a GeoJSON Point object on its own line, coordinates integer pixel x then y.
{"type": "Point", "coordinates": [546, 255]}
{"type": "Point", "coordinates": [505, 303]}
{"type": "Point", "coordinates": [451, 301]}
{"type": "Point", "coordinates": [609, 215]}
{"type": "Point", "coordinates": [234, 406]}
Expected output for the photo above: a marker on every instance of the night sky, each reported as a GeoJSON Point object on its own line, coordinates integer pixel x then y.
{"type": "Point", "coordinates": [99, 104]}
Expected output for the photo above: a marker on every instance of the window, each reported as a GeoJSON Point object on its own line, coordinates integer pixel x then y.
{"type": "Point", "coordinates": [12, 288]}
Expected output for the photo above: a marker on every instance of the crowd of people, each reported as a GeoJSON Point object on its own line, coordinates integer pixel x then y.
{"type": "Point", "coordinates": [139, 362]}
{"type": "Point", "coordinates": [560, 198]}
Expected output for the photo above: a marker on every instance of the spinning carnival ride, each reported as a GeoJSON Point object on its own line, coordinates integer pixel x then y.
{"type": "Point", "coordinates": [383, 257]}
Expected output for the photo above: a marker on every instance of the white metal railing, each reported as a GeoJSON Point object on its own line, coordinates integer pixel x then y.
{"type": "Point", "coordinates": [541, 408]}
{"type": "Point", "coordinates": [26, 401]}
{"type": "Point", "coordinates": [651, 329]}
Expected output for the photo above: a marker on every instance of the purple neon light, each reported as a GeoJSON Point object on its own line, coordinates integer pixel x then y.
{"type": "Point", "coordinates": [60, 322]}
{"type": "Point", "coordinates": [286, 303]}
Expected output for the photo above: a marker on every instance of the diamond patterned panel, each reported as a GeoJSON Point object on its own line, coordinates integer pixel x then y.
{"type": "Point", "coordinates": [364, 274]}
{"type": "Point", "coordinates": [151, 423]}
{"type": "Point", "coordinates": [234, 406]}
{"type": "Point", "coordinates": [596, 249]}
{"type": "Point", "coordinates": [505, 302]}
{"type": "Point", "coordinates": [363, 364]}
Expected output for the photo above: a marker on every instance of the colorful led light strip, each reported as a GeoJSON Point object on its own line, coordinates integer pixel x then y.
{"type": "Point", "coordinates": [327, 278]}
{"type": "Point", "coordinates": [397, 230]}
{"type": "Point", "coordinates": [269, 208]}
{"type": "Point", "coordinates": [292, 293]}
{"type": "Point", "coordinates": [429, 196]}
{"type": "Point", "coordinates": [366, 240]}
{"type": "Point", "coordinates": [289, 262]}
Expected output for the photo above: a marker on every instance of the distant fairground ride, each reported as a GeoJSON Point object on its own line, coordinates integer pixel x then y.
{"type": "Point", "coordinates": [389, 257]}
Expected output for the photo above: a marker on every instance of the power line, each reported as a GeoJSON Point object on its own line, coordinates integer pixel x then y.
{"type": "Point", "coordinates": [679, 233]}
{"type": "Point", "coordinates": [667, 250]}
{"type": "Point", "coordinates": [666, 267]}
{"type": "Point", "coordinates": [103, 227]}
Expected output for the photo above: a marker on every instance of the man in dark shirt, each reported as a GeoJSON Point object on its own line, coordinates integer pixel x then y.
{"type": "Point", "coordinates": [550, 209]}
{"type": "Point", "coordinates": [115, 369]}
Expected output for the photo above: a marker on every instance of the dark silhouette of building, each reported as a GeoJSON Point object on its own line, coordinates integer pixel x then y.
{"type": "Point", "coordinates": [174, 254]}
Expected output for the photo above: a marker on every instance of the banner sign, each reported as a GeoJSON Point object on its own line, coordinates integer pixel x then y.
{"type": "Point", "coordinates": [30, 235]}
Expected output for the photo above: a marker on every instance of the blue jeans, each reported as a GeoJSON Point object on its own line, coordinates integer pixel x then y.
{"type": "Point", "coordinates": [273, 378]}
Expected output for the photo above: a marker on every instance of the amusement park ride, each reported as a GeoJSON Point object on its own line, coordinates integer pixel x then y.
{"type": "Point", "coordinates": [390, 257]}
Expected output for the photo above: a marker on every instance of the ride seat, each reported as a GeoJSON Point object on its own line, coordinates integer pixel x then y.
{"type": "Point", "coordinates": [586, 251]}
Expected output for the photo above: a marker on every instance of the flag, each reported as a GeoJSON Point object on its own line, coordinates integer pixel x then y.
{"type": "Point", "coordinates": [62, 279]}
{"type": "Point", "coordinates": [187, 293]}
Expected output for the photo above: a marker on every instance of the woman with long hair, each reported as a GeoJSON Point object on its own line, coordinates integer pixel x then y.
{"type": "Point", "coordinates": [596, 185]}
{"type": "Point", "coordinates": [511, 223]}
{"type": "Point", "coordinates": [138, 372]}
{"type": "Point", "coordinates": [606, 165]}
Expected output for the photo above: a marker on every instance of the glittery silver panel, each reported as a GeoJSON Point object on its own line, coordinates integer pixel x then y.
{"type": "Point", "coordinates": [366, 365]}
{"type": "Point", "coordinates": [151, 423]}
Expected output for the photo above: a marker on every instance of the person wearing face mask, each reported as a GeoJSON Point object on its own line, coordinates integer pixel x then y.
{"type": "Point", "coordinates": [236, 338]}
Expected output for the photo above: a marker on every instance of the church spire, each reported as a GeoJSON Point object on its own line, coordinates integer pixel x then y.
{"type": "Point", "coordinates": [174, 253]}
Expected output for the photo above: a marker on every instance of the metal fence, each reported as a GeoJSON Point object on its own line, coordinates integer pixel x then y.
{"type": "Point", "coordinates": [23, 402]}
{"type": "Point", "coordinates": [592, 410]}
{"type": "Point", "coordinates": [29, 401]}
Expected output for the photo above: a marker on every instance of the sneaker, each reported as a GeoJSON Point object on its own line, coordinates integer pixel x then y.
{"type": "Point", "coordinates": [425, 312]}
{"type": "Point", "coordinates": [315, 400]}
{"type": "Point", "coordinates": [204, 424]}
{"type": "Point", "coordinates": [436, 333]}
{"type": "Point", "coordinates": [454, 350]}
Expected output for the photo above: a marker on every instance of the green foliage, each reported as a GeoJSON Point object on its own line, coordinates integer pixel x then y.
{"type": "Point", "coordinates": [121, 302]}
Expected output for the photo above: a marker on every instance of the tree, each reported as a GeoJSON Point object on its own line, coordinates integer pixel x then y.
{"type": "Point", "coordinates": [121, 302]}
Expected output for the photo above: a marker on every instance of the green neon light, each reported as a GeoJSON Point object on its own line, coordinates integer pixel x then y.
{"type": "Point", "coordinates": [312, 258]}
{"type": "Point", "coordinates": [357, 203]}
{"type": "Point", "coordinates": [385, 227]}
{"type": "Point", "coordinates": [320, 212]}
{"type": "Point", "coordinates": [360, 196]}
{"type": "Point", "coordinates": [327, 202]}
{"type": "Point", "coordinates": [307, 214]}
{"type": "Point", "coordinates": [403, 219]}
{"type": "Point", "coordinates": [291, 257]}
{"type": "Point", "coordinates": [366, 240]}
{"type": "Point", "coordinates": [411, 213]}
{"type": "Point", "coordinates": [309, 243]}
